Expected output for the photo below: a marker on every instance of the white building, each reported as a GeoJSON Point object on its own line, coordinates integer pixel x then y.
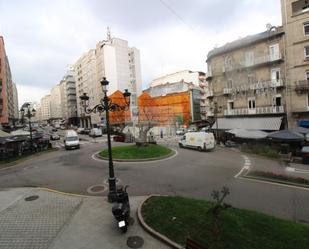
{"type": "Point", "coordinates": [116, 61]}
{"type": "Point", "coordinates": [15, 101]}
{"type": "Point", "coordinates": [45, 108]}
{"type": "Point", "coordinates": [55, 103]}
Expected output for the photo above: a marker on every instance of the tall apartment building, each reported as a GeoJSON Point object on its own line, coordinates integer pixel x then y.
{"type": "Point", "coordinates": [55, 103]}
{"type": "Point", "coordinates": [247, 82]}
{"type": "Point", "coordinates": [295, 18]}
{"type": "Point", "coordinates": [15, 101]}
{"type": "Point", "coordinates": [7, 104]}
{"type": "Point", "coordinates": [115, 60]}
{"type": "Point", "coordinates": [196, 78]}
{"type": "Point", "coordinates": [68, 98]}
{"type": "Point", "coordinates": [45, 108]}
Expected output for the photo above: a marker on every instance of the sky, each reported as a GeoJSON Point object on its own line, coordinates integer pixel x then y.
{"type": "Point", "coordinates": [42, 37]}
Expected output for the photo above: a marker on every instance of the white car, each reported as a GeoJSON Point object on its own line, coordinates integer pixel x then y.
{"type": "Point", "coordinates": [95, 132]}
{"type": "Point", "coordinates": [71, 140]}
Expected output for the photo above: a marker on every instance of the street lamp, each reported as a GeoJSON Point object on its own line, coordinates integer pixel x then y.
{"type": "Point", "coordinates": [25, 110]}
{"type": "Point", "coordinates": [215, 109]}
{"type": "Point", "coordinates": [107, 106]}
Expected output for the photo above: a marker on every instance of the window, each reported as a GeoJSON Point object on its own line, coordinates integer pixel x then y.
{"type": "Point", "coordinates": [275, 75]}
{"type": "Point", "coordinates": [230, 84]}
{"type": "Point", "coordinates": [251, 103]}
{"type": "Point", "coordinates": [307, 52]}
{"type": "Point", "coordinates": [306, 28]}
{"type": "Point", "coordinates": [249, 58]}
{"type": "Point", "coordinates": [307, 75]}
{"type": "Point", "coordinates": [274, 53]}
{"type": "Point", "coordinates": [308, 101]}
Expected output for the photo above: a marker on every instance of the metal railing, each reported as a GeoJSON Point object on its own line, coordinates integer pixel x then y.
{"type": "Point", "coordinates": [255, 111]}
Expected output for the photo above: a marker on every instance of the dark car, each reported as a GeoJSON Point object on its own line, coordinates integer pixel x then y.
{"type": "Point", "coordinates": [54, 136]}
{"type": "Point", "coordinates": [119, 138]}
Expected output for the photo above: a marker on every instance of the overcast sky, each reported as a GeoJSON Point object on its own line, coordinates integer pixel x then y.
{"type": "Point", "coordinates": [43, 37]}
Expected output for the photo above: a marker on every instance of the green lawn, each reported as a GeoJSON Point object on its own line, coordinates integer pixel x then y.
{"type": "Point", "coordinates": [178, 218]}
{"type": "Point", "coordinates": [134, 152]}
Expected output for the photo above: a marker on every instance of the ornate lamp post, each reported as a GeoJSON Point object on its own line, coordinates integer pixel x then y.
{"type": "Point", "coordinates": [107, 106]}
{"type": "Point", "coordinates": [25, 111]}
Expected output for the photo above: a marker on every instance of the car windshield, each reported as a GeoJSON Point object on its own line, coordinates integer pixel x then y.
{"type": "Point", "coordinates": [71, 139]}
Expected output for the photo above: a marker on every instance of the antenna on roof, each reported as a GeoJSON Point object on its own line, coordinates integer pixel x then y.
{"type": "Point", "coordinates": [109, 34]}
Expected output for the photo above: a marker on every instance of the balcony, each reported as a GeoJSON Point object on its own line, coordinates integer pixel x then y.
{"type": "Point", "coordinates": [277, 83]}
{"type": "Point", "coordinates": [302, 86]}
{"type": "Point", "coordinates": [210, 94]}
{"type": "Point", "coordinates": [227, 91]}
{"type": "Point", "coordinates": [256, 111]}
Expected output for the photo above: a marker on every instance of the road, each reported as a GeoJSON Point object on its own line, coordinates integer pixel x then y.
{"type": "Point", "coordinates": [189, 173]}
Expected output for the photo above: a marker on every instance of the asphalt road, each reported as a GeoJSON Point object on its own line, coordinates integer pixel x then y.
{"type": "Point", "coordinates": [190, 173]}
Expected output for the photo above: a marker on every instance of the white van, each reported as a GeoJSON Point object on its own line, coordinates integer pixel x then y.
{"type": "Point", "coordinates": [71, 140]}
{"type": "Point", "coordinates": [95, 132]}
{"type": "Point", "coordinates": [198, 140]}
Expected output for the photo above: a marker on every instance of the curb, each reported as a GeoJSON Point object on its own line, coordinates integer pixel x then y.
{"type": "Point", "coordinates": [63, 193]}
{"type": "Point", "coordinates": [151, 231]}
{"type": "Point", "coordinates": [137, 160]}
{"type": "Point", "coordinates": [16, 163]}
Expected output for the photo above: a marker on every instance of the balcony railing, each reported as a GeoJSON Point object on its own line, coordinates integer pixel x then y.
{"type": "Point", "coordinates": [256, 111]}
{"type": "Point", "coordinates": [255, 62]}
{"type": "Point", "coordinates": [302, 86]}
{"type": "Point", "coordinates": [227, 91]}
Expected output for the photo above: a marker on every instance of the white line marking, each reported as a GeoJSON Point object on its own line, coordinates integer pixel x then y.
{"type": "Point", "coordinates": [246, 166]}
{"type": "Point", "coordinates": [274, 183]}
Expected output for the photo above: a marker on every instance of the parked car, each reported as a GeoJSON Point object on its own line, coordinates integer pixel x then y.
{"type": "Point", "coordinates": [54, 136]}
{"type": "Point", "coordinates": [181, 131]}
{"type": "Point", "coordinates": [198, 140]}
{"type": "Point", "coordinates": [71, 140]}
{"type": "Point", "coordinates": [86, 131]}
{"type": "Point", "coordinates": [80, 130]}
{"type": "Point", "coordinates": [95, 132]}
{"type": "Point", "coordinates": [119, 138]}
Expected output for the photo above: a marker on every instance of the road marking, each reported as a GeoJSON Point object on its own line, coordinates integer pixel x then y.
{"type": "Point", "coordinates": [93, 156]}
{"type": "Point", "coordinates": [274, 183]}
{"type": "Point", "coordinates": [246, 166]}
{"type": "Point", "coordinates": [295, 170]}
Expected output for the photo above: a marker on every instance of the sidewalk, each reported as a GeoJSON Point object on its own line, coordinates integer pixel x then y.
{"type": "Point", "coordinates": [57, 221]}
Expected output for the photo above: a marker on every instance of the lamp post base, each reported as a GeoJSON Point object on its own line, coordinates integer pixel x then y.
{"type": "Point", "coordinates": [112, 195]}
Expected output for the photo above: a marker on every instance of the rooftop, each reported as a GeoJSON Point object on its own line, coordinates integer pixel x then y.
{"type": "Point", "coordinates": [248, 40]}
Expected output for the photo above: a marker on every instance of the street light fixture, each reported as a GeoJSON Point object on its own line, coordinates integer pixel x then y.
{"type": "Point", "coordinates": [25, 110]}
{"type": "Point", "coordinates": [107, 106]}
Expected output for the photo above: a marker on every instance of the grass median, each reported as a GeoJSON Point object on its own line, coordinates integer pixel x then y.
{"type": "Point", "coordinates": [179, 218]}
{"type": "Point", "coordinates": [132, 152]}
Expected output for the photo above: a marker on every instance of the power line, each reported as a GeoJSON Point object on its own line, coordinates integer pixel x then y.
{"type": "Point", "coordinates": [176, 14]}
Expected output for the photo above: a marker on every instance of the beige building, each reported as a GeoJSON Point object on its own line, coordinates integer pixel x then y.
{"type": "Point", "coordinates": [247, 82]}
{"type": "Point", "coordinates": [45, 108]}
{"type": "Point", "coordinates": [55, 103]}
{"type": "Point", "coordinates": [295, 17]}
{"type": "Point", "coordinates": [15, 102]}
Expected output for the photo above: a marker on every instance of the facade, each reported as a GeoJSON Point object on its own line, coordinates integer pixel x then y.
{"type": "Point", "coordinates": [55, 103]}
{"type": "Point", "coordinates": [45, 108]}
{"type": "Point", "coordinates": [115, 60]}
{"type": "Point", "coordinates": [68, 99]}
{"type": "Point", "coordinates": [174, 104]}
{"type": "Point", "coordinates": [247, 82]}
{"type": "Point", "coordinates": [198, 79]}
{"type": "Point", "coordinates": [15, 101]}
{"type": "Point", "coordinates": [7, 107]}
{"type": "Point", "coordinates": [296, 25]}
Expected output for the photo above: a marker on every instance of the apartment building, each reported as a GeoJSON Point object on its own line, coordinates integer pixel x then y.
{"type": "Point", "coordinates": [15, 101]}
{"type": "Point", "coordinates": [198, 79]}
{"type": "Point", "coordinates": [295, 18]}
{"type": "Point", "coordinates": [68, 99]}
{"type": "Point", "coordinates": [247, 84]}
{"type": "Point", "coordinates": [45, 109]}
{"type": "Point", "coordinates": [115, 60]}
{"type": "Point", "coordinates": [7, 103]}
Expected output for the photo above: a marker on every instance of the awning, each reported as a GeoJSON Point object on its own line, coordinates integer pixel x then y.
{"type": "Point", "coordinates": [248, 134]}
{"type": "Point", "coordinates": [304, 123]}
{"type": "Point", "coordinates": [263, 123]}
{"type": "Point", "coordinates": [286, 135]}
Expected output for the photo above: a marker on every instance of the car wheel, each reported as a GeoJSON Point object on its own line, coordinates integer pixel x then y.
{"type": "Point", "coordinates": [180, 145]}
{"type": "Point", "coordinates": [199, 149]}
